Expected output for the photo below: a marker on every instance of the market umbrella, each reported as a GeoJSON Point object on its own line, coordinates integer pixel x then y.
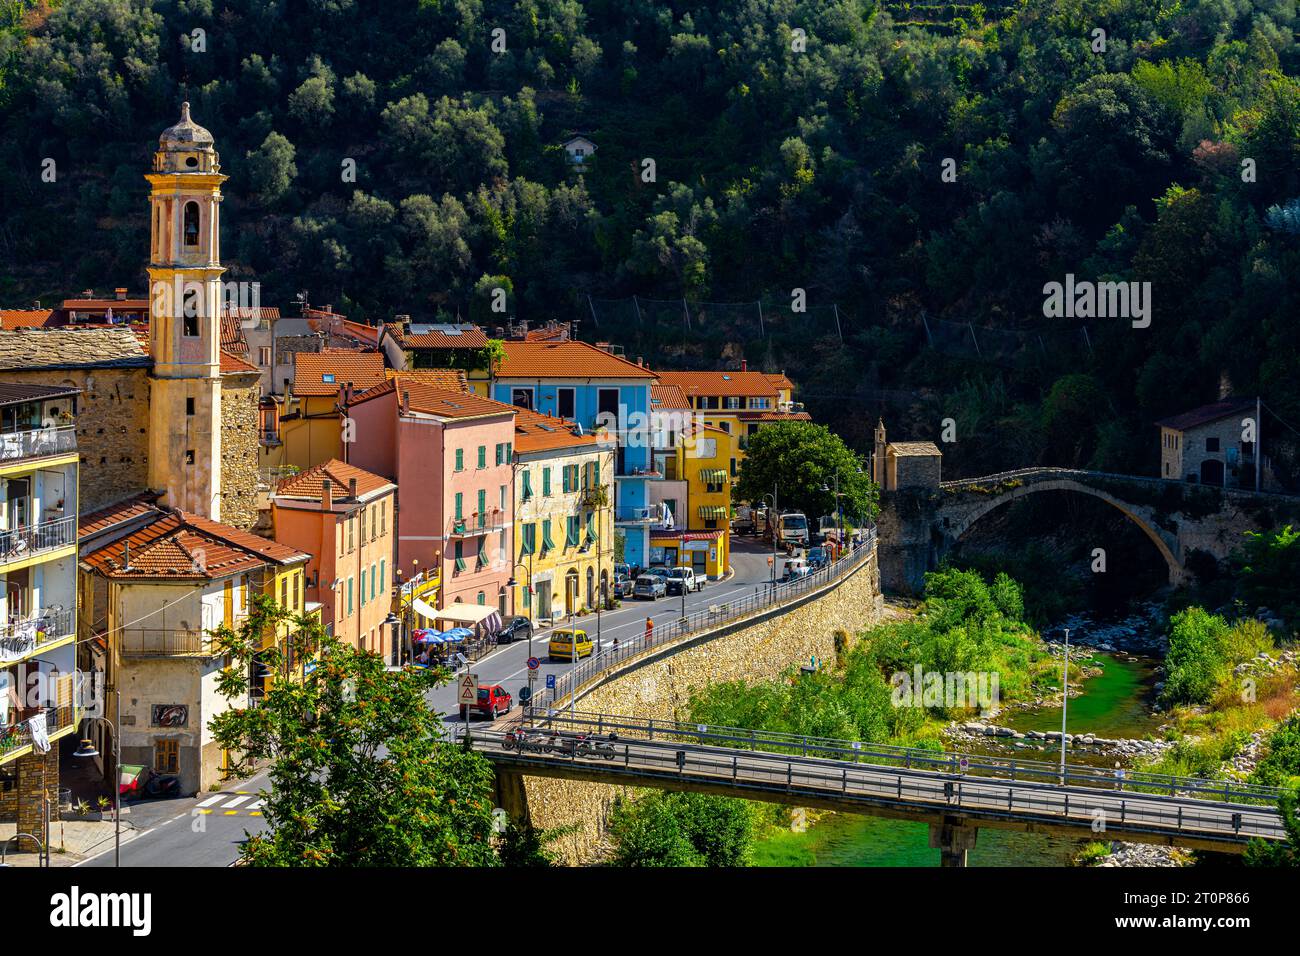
{"type": "Point", "coordinates": [458, 634]}
{"type": "Point", "coordinates": [429, 636]}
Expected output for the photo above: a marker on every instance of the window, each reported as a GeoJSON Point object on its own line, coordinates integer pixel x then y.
{"type": "Point", "coordinates": [501, 450]}
{"type": "Point", "coordinates": [546, 482]}
{"type": "Point", "coordinates": [374, 525]}
{"type": "Point", "coordinates": [733, 401]}
{"type": "Point", "coordinates": [189, 407]}
{"type": "Point", "coordinates": [482, 598]}
{"type": "Point", "coordinates": [191, 225]}
{"type": "Point", "coordinates": [349, 597]}
{"type": "Point", "coordinates": [383, 517]}
{"type": "Point", "coordinates": [521, 397]}
{"type": "Point", "coordinates": [264, 355]}
{"type": "Point", "coordinates": [1212, 443]}
{"type": "Point", "coordinates": [482, 456]}
{"type": "Point", "coordinates": [571, 532]}
{"type": "Point", "coordinates": [460, 556]}
{"type": "Point", "coordinates": [374, 569]}
{"type": "Point", "coordinates": [351, 533]}
{"type": "Point", "coordinates": [482, 507]}
{"type": "Point", "coordinates": [383, 576]}
{"type": "Point", "coordinates": [297, 592]}
{"type": "Point", "coordinates": [327, 378]}
{"type": "Point", "coordinates": [284, 593]}
{"type": "Point", "coordinates": [504, 491]}
{"type": "Point", "coordinates": [362, 515]}
{"type": "Point", "coordinates": [460, 505]}
{"type": "Point", "coordinates": [460, 459]}
{"type": "Point", "coordinates": [363, 587]}
{"type": "Point", "coordinates": [565, 402]}
{"type": "Point", "coordinates": [189, 456]}
{"type": "Point", "coordinates": [760, 403]}
{"type": "Point", "coordinates": [167, 756]}
{"type": "Point", "coordinates": [526, 484]}
{"type": "Point", "coordinates": [547, 543]}
{"type": "Point", "coordinates": [528, 543]}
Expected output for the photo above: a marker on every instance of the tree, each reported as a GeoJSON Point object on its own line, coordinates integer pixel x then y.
{"type": "Point", "coordinates": [798, 458]}
{"type": "Point", "coordinates": [1270, 569]}
{"type": "Point", "coordinates": [680, 829]}
{"type": "Point", "coordinates": [360, 773]}
{"type": "Point", "coordinates": [271, 169]}
{"type": "Point", "coordinates": [1274, 853]}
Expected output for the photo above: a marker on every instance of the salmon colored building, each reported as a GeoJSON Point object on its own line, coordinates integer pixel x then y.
{"type": "Point", "coordinates": [451, 455]}
{"type": "Point", "coordinates": [344, 518]}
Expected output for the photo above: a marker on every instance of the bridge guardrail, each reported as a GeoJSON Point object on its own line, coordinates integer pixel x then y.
{"type": "Point", "coordinates": [978, 765]}
{"type": "Point", "coordinates": [765, 597]}
{"type": "Point", "coordinates": [991, 797]}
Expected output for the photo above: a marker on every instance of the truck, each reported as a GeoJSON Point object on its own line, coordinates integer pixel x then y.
{"type": "Point", "coordinates": [787, 530]}
{"type": "Point", "coordinates": [743, 521]}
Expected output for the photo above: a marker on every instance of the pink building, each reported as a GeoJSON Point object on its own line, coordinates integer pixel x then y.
{"type": "Point", "coordinates": [451, 455]}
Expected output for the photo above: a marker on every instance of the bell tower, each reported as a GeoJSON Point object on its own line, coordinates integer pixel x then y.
{"type": "Point", "coordinates": [185, 318]}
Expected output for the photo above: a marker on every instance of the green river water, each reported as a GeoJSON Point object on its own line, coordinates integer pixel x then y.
{"type": "Point", "coordinates": [1114, 704]}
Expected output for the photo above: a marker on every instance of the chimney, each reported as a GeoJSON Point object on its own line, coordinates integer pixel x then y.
{"type": "Point", "coordinates": [352, 488]}
{"type": "Point", "coordinates": [744, 366]}
{"type": "Point", "coordinates": [119, 294]}
{"type": "Point", "coordinates": [327, 495]}
{"type": "Point", "coordinates": [640, 360]}
{"type": "Point", "coordinates": [36, 303]}
{"type": "Point", "coordinates": [406, 401]}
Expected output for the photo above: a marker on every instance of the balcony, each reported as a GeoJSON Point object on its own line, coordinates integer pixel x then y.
{"type": "Point", "coordinates": [22, 639]}
{"type": "Point", "coordinates": [477, 525]}
{"type": "Point", "coordinates": [36, 538]}
{"type": "Point", "coordinates": [166, 642]}
{"type": "Point", "coordinates": [37, 442]}
{"type": "Point", "coordinates": [16, 736]}
{"type": "Point", "coordinates": [638, 515]}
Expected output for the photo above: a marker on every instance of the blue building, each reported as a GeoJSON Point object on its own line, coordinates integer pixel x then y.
{"type": "Point", "coordinates": [595, 390]}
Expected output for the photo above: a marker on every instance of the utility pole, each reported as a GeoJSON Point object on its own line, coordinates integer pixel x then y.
{"type": "Point", "coordinates": [1259, 440]}
{"type": "Point", "coordinates": [1065, 701]}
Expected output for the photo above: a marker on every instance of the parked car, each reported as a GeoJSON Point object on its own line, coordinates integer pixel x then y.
{"type": "Point", "coordinates": [517, 628]}
{"type": "Point", "coordinates": [795, 568]}
{"type": "Point", "coordinates": [568, 643]}
{"type": "Point", "coordinates": [493, 701]}
{"type": "Point", "coordinates": [624, 569]}
{"type": "Point", "coordinates": [650, 586]}
{"type": "Point", "coordinates": [623, 585]}
{"type": "Point", "coordinates": [682, 578]}
{"type": "Point", "coordinates": [659, 572]}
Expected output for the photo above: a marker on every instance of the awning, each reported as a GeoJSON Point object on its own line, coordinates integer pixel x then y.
{"type": "Point", "coordinates": [713, 512]}
{"type": "Point", "coordinates": [469, 614]}
{"type": "Point", "coordinates": [423, 609]}
{"type": "Point", "coordinates": [713, 476]}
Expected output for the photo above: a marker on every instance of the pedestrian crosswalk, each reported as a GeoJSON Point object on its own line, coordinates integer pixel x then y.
{"type": "Point", "coordinates": [230, 805]}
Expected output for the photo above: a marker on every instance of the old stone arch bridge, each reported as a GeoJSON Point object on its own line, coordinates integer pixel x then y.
{"type": "Point", "coordinates": [921, 523]}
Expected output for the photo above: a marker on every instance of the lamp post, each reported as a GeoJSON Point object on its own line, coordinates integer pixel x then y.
{"type": "Point", "coordinates": [87, 749]}
{"type": "Point", "coordinates": [512, 583]}
{"type": "Point", "coordinates": [771, 519]}
{"type": "Point", "coordinates": [1065, 700]}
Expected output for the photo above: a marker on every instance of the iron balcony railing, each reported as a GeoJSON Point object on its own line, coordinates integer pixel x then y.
{"type": "Point", "coordinates": [35, 538]}
{"type": "Point", "coordinates": [764, 598]}
{"type": "Point", "coordinates": [38, 442]}
{"type": "Point", "coordinates": [912, 758]}
{"type": "Point", "coordinates": [166, 642]}
{"type": "Point", "coordinates": [17, 734]}
{"type": "Point", "coordinates": [19, 639]}
{"type": "Point", "coordinates": [638, 513]}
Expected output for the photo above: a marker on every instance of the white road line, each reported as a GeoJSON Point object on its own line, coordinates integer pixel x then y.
{"type": "Point", "coordinates": [211, 800]}
{"type": "Point", "coordinates": [235, 802]}
{"type": "Point", "coordinates": [254, 805]}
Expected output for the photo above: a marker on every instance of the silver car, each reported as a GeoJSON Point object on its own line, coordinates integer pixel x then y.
{"type": "Point", "coordinates": [649, 586]}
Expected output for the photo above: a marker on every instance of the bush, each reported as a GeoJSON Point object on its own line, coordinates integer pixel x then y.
{"type": "Point", "coordinates": [681, 829]}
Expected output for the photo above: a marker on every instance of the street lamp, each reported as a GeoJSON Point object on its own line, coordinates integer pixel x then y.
{"type": "Point", "coordinates": [513, 583]}
{"type": "Point", "coordinates": [87, 749]}
{"type": "Point", "coordinates": [839, 509]}
{"type": "Point", "coordinates": [1065, 701]}
{"type": "Point", "coordinates": [771, 519]}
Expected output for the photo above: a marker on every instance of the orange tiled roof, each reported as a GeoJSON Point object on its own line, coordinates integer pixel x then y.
{"type": "Point", "coordinates": [565, 360]}
{"type": "Point", "coordinates": [232, 364]}
{"type": "Point", "coordinates": [251, 312]}
{"type": "Point", "coordinates": [442, 402]}
{"type": "Point", "coordinates": [232, 335]}
{"type": "Point", "coordinates": [537, 432]}
{"type": "Point", "coordinates": [667, 397]}
{"type": "Point", "coordinates": [452, 379]}
{"type": "Point", "coordinates": [29, 318]}
{"type": "Point", "coordinates": [109, 516]}
{"type": "Point", "coordinates": [466, 336]}
{"type": "Point", "coordinates": [129, 305]}
{"type": "Point", "coordinates": [735, 383]}
{"type": "Point", "coordinates": [311, 483]}
{"type": "Point", "coordinates": [778, 379]}
{"type": "Point", "coordinates": [362, 369]}
{"type": "Point", "coordinates": [182, 546]}
{"type": "Point", "coordinates": [753, 415]}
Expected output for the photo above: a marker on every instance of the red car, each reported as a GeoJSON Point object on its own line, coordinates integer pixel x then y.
{"type": "Point", "coordinates": [493, 701]}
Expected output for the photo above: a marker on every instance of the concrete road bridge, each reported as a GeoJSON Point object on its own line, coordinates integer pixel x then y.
{"type": "Point", "coordinates": [955, 793]}
{"type": "Point", "coordinates": [922, 521]}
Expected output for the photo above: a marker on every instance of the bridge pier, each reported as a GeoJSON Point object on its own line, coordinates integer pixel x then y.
{"type": "Point", "coordinates": [512, 795]}
{"type": "Point", "coordinates": [953, 841]}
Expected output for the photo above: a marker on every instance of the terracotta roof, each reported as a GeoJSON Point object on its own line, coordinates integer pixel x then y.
{"type": "Point", "coordinates": [30, 318]}
{"type": "Point", "coordinates": [232, 335]}
{"type": "Point", "coordinates": [668, 396]}
{"type": "Point", "coordinates": [434, 335]}
{"type": "Point", "coordinates": [252, 312]}
{"type": "Point", "coordinates": [1207, 413]}
{"type": "Point", "coordinates": [95, 305]}
{"type": "Point", "coordinates": [452, 379]}
{"type": "Point", "coordinates": [914, 448]}
{"type": "Point", "coordinates": [778, 379]}
{"type": "Point", "coordinates": [112, 347]}
{"type": "Point", "coordinates": [565, 360]}
{"type": "Point", "coordinates": [555, 331]}
{"type": "Point", "coordinates": [362, 369]}
{"type": "Point", "coordinates": [441, 402]}
{"type": "Point", "coordinates": [311, 483]}
{"type": "Point", "coordinates": [753, 415]}
{"type": "Point", "coordinates": [138, 505]}
{"type": "Point", "coordinates": [232, 364]}
{"type": "Point", "coordinates": [734, 383]}
{"type": "Point", "coordinates": [182, 546]}
{"type": "Point", "coordinates": [537, 432]}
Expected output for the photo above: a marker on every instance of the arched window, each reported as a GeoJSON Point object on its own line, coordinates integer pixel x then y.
{"type": "Point", "coordinates": [191, 224]}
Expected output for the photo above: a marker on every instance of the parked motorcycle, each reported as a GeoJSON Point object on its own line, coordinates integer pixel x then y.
{"type": "Point", "coordinates": [163, 785]}
{"type": "Point", "coordinates": [523, 741]}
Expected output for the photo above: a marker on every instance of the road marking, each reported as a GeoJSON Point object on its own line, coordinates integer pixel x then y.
{"type": "Point", "coordinates": [197, 811]}
{"type": "Point", "coordinates": [235, 802]}
{"type": "Point", "coordinates": [211, 800]}
{"type": "Point", "coordinates": [254, 805]}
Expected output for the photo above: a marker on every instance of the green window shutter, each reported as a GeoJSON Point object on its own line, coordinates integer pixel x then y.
{"type": "Point", "coordinates": [460, 459]}
{"type": "Point", "coordinates": [482, 508]}
{"type": "Point", "coordinates": [482, 456]}
{"type": "Point", "coordinates": [373, 591]}
{"type": "Point", "coordinates": [529, 542]}
{"type": "Point", "coordinates": [547, 543]}
{"type": "Point", "coordinates": [363, 587]}
{"type": "Point", "coordinates": [460, 505]}
{"type": "Point", "coordinates": [349, 596]}
{"type": "Point", "coordinates": [499, 450]}
{"type": "Point", "coordinates": [546, 482]}
{"type": "Point", "coordinates": [383, 574]}
{"type": "Point", "coordinates": [510, 450]}
{"type": "Point", "coordinates": [528, 484]}
{"type": "Point", "coordinates": [591, 528]}
{"type": "Point", "coordinates": [571, 536]}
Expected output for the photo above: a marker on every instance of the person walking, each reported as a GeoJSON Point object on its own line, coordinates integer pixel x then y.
{"type": "Point", "coordinates": [649, 629]}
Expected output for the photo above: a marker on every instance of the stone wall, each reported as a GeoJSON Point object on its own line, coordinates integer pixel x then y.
{"type": "Point", "coordinates": [22, 801]}
{"type": "Point", "coordinates": [239, 394]}
{"type": "Point", "coordinates": [660, 685]}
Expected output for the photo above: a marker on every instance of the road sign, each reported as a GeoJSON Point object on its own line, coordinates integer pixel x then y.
{"type": "Point", "coordinates": [550, 682]}
{"type": "Point", "coordinates": [469, 689]}
{"type": "Point", "coordinates": [533, 663]}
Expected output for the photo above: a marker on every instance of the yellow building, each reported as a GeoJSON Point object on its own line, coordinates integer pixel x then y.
{"type": "Point", "coordinates": [707, 552]}
{"type": "Point", "coordinates": [564, 519]}
{"type": "Point", "coordinates": [707, 462]}
{"type": "Point", "coordinates": [308, 428]}
{"type": "Point", "coordinates": [740, 402]}
{"type": "Point", "coordinates": [39, 703]}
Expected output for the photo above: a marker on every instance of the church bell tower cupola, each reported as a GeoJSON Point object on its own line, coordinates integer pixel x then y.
{"type": "Point", "coordinates": [186, 305]}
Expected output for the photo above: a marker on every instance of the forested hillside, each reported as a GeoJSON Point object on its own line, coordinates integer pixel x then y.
{"type": "Point", "coordinates": [776, 167]}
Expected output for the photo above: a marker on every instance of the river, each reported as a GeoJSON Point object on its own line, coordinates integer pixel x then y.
{"type": "Point", "coordinates": [1114, 704]}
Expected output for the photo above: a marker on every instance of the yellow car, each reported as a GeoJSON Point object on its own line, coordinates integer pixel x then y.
{"type": "Point", "coordinates": [568, 643]}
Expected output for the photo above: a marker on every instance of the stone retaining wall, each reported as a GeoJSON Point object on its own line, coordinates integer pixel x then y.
{"type": "Point", "coordinates": [660, 684]}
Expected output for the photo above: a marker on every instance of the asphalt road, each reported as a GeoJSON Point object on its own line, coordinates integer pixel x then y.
{"type": "Point", "coordinates": [507, 664]}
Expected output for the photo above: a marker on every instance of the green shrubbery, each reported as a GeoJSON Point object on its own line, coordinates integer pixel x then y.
{"type": "Point", "coordinates": [681, 829]}
{"type": "Point", "coordinates": [1203, 648]}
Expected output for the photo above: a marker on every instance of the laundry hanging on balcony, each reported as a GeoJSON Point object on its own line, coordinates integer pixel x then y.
{"type": "Point", "coordinates": [40, 734]}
